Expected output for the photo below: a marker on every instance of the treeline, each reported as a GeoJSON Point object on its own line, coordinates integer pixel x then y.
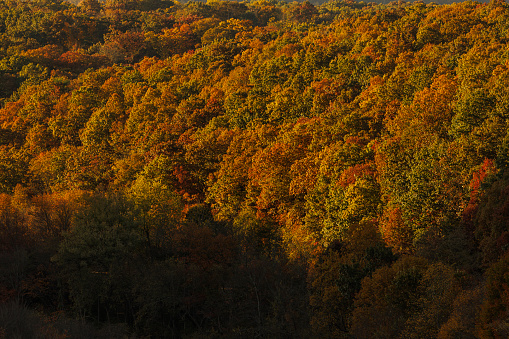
{"type": "Point", "coordinates": [254, 169]}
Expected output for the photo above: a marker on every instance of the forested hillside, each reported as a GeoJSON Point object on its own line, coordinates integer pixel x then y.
{"type": "Point", "coordinates": [254, 170]}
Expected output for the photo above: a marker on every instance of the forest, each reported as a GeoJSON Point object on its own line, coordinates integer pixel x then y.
{"type": "Point", "coordinates": [255, 169]}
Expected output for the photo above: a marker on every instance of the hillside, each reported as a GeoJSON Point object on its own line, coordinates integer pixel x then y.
{"type": "Point", "coordinates": [254, 169]}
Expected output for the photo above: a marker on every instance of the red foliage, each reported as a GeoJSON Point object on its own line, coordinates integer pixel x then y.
{"type": "Point", "coordinates": [478, 177]}
{"type": "Point", "coordinates": [487, 168]}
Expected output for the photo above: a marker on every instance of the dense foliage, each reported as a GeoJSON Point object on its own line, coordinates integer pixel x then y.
{"type": "Point", "coordinates": [254, 169]}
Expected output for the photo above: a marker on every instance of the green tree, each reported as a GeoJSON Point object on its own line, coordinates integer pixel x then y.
{"type": "Point", "coordinates": [157, 210]}
{"type": "Point", "coordinates": [96, 257]}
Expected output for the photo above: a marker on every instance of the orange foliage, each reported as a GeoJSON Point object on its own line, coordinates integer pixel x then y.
{"type": "Point", "coordinates": [79, 61]}
{"type": "Point", "coordinates": [350, 175]}
{"type": "Point", "coordinates": [47, 55]}
{"type": "Point", "coordinates": [394, 231]}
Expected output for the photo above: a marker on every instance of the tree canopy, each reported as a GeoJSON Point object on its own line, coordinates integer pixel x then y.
{"type": "Point", "coordinates": [254, 169]}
